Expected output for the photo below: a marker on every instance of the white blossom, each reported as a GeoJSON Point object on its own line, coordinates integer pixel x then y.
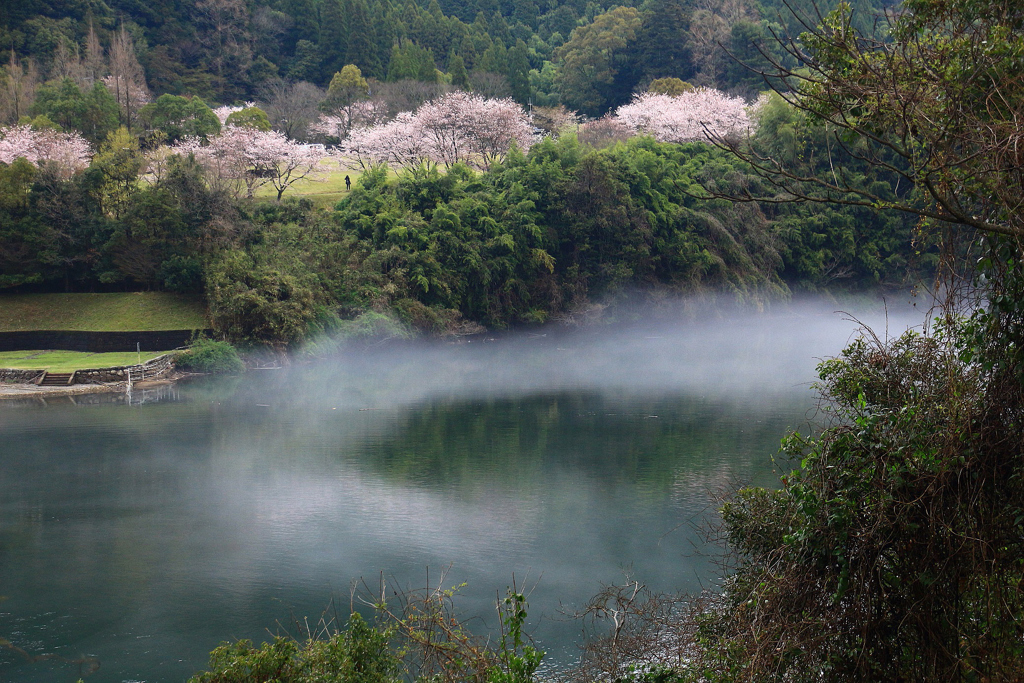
{"type": "Point", "coordinates": [67, 152]}
{"type": "Point", "coordinates": [250, 158]}
{"type": "Point", "coordinates": [695, 115]}
{"type": "Point", "coordinates": [457, 127]}
{"type": "Point", "coordinates": [222, 113]}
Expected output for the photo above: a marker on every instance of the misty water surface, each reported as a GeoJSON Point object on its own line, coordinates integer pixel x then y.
{"type": "Point", "coordinates": [141, 536]}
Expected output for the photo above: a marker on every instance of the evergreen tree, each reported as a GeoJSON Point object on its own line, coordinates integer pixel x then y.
{"type": "Point", "coordinates": [518, 72]}
{"type": "Point", "coordinates": [305, 24]}
{"type": "Point", "coordinates": [457, 72]}
{"type": "Point", "coordinates": [494, 59]}
{"type": "Point", "coordinates": [306, 64]}
{"type": "Point", "coordinates": [409, 60]}
{"type": "Point", "coordinates": [362, 49]}
{"type": "Point", "coordinates": [663, 50]}
{"type": "Point", "coordinates": [333, 36]}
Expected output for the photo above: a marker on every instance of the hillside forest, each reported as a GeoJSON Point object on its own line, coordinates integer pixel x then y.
{"type": "Point", "coordinates": [515, 162]}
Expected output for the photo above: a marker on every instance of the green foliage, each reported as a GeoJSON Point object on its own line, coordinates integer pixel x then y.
{"type": "Point", "coordinates": [824, 246]}
{"type": "Point", "coordinates": [347, 85]}
{"type": "Point", "coordinates": [596, 71]}
{"type": "Point", "coordinates": [372, 325]}
{"type": "Point", "coordinates": [410, 61]}
{"type": "Point", "coordinates": [208, 355]}
{"type": "Point", "coordinates": [180, 117]}
{"type": "Point", "coordinates": [418, 635]}
{"type": "Point", "coordinates": [92, 112]}
{"type": "Point", "coordinates": [22, 236]}
{"type": "Point", "coordinates": [367, 327]}
{"type": "Point", "coordinates": [119, 161]}
{"type": "Point", "coordinates": [892, 553]}
{"type": "Point", "coordinates": [543, 233]}
{"type": "Point", "coordinates": [359, 654]}
{"type": "Point", "coordinates": [518, 661]}
{"type": "Point", "coordinates": [250, 117]}
{"type": "Point", "coordinates": [261, 296]}
{"type": "Point", "coordinates": [669, 86]}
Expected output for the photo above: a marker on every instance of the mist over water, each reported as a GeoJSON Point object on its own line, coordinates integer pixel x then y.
{"type": "Point", "coordinates": [144, 535]}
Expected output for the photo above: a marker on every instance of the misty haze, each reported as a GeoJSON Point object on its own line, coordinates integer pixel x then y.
{"type": "Point", "coordinates": [144, 535]}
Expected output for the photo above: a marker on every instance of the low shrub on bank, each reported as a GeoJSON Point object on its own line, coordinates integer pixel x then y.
{"type": "Point", "coordinates": [415, 636]}
{"type": "Point", "coordinates": [359, 654]}
{"type": "Point", "coordinates": [207, 355]}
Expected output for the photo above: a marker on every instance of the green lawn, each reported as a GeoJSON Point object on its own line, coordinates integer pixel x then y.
{"type": "Point", "coordinates": [120, 312]}
{"type": "Point", "coordinates": [66, 361]}
{"type": "Point", "coordinates": [325, 192]}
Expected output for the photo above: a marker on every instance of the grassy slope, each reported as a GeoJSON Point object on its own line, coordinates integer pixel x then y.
{"type": "Point", "coordinates": [324, 192]}
{"type": "Point", "coordinates": [66, 361]}
{"type": "Point", "coordinates": [121, 312]}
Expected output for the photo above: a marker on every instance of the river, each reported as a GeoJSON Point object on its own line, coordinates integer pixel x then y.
{"type": "Point", "coordinates": [135, 537]}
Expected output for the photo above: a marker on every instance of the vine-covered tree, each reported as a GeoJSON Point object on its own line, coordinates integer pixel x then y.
{"type": "Point", "coordinates": [893, 551]}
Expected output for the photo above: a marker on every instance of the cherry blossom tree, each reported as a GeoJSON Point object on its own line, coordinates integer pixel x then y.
{"type": "Point", "coordinates": [225, 111]}
{"type": "Point", "coordinates": [67, 152]}
{"type": "Point", "coordinates": [496, 125]}
{"type": "Point", "coordinates": [242, 157]}
{"type": "Point", "coordinates": [456, 127]}
{"type": "Point", "coordinates": [399, 142]}
{"type": "Point", "coordinates": [289, 162]}
{"type": "Point", "coordinates": [360, 113]}
{"type": "Point", "coordinates": [696, 115]}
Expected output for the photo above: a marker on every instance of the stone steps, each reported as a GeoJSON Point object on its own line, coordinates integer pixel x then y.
{"type": "Point", "coordinates": [57, 379]}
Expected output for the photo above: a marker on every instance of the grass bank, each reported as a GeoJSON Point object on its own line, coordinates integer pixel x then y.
{"type": "Point", "coordinates": [67, 361]}
{"type": "Point", "coordinates": [118, 312]}
{"type": "Point", "coordinates": [325, 190]}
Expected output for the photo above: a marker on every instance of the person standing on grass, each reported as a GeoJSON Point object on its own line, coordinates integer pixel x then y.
{"type": "Point", "coordinates": [348, 184]}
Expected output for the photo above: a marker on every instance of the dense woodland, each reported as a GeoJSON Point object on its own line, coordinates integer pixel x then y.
{"type": "Point", "coordinates": [586, 216]}
{"type": "Point", "coordinates": [590, 56]}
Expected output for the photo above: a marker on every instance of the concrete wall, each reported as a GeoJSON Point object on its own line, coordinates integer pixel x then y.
{"type": "Point", "coordinates": [95, 342]}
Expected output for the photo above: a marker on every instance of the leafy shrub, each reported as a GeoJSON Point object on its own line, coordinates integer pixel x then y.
{"type": "Point", "coordinates": [359, 654]}
{"type": "Point", "coordinates": [207, 355]}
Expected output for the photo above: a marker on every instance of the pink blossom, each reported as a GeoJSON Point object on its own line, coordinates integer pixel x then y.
{"type": "Point", "coordinates": [67, 152]}
{"type": "Point", "coordinates": [361, 113]}
{"type": "Point", "coordinates": [456, 127]}
{"type": "Point", "coordinates": [699, 114]}
{"type": "Point", "coordinates": [249, 158]}
{"type": "Point", "coordinates": [224, 112]}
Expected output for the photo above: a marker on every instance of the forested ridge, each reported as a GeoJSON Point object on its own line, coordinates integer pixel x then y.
{"type": "Point", "coordinates": [589, 55]}
{"type": "Point", "coordinates": [516, 163]}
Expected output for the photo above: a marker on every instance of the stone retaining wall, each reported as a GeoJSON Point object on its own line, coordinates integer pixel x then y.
{"type": "Point", "coordinates": [148, 370]}
{"type": "Point", "coordinates": [19, 376]}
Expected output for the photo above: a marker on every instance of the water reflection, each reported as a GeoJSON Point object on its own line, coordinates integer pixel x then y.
{"type": "Point", "coordinates": [145, 536]}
